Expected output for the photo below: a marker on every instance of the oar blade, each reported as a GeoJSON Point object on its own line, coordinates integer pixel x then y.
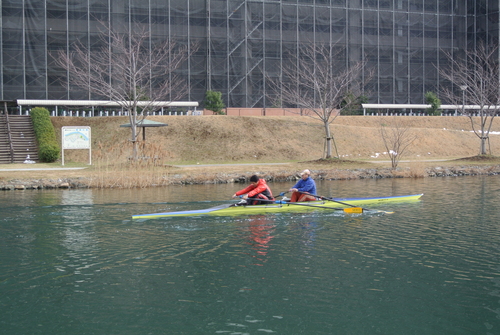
{"type": "Point", "coordinates": [353, 210]}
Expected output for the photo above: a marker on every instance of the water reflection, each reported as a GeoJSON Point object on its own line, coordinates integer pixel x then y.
{"type": "Point", "coordinates": [73, 262]}
{"type": "Point", "coordinates": [259, 230]}
{"type": "Point", "coordinates": [308, 235]}
{"type": "Point", "coordinates": [77, 214]}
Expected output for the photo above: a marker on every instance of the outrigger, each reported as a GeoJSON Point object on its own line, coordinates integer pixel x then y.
{"type": "Point", "coordinates": [348, 205]}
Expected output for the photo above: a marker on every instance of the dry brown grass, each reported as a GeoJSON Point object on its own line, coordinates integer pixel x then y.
{"type": "Point", "coordinates": [115, 168]}
{"type": "Point", "coordinates": [233, 139]}
{"type": "Point", "coordinates": [416, 170]}
{"type": "Point", "coordinates": [229, 140]}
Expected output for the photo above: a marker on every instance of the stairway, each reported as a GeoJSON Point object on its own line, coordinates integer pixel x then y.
{"type": "Point", "coordinates": [5, 155]}
{"type": "Point", "coordinates": [17, 139]}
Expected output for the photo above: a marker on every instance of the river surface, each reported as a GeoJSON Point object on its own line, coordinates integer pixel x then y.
{"type": "Point", "coordinates": [73, 262]}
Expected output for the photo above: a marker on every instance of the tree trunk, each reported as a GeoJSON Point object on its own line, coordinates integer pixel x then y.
{"type": "Point", "coordinates": [328, 140]}
{"type": "Point", "coordinates": [483, 145]}
{"type": "Point", "coordinates": [133, 127]}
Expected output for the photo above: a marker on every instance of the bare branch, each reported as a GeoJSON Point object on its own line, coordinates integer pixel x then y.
{"type": "Point", "coordinates": [397, 139]}
{"type": "Point", "coordinates": [316, 79]}
{"type": "Point", "coordinates": [128, 68]}
{"type": "Point", "coordinates": [475, 80]}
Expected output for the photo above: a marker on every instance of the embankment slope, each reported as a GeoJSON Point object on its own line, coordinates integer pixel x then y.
{"type": "Point", "coordinates": [224, 149]}
{"type": "Point", "coordinates": [228, 139]}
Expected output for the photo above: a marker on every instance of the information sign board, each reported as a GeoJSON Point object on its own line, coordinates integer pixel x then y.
{"type": "Point", "coordinates": [77, 137]}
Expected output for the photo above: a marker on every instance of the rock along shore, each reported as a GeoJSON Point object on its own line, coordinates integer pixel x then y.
{"type": "Point", "coordinates": [223, 178]}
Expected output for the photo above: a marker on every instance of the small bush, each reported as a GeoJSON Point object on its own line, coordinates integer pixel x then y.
{"type": "Point", "coordinates": [48, 148]}
{"type": "Point", "coordinates": [48, 152]}
{"type": "Point", "coordinates": [432, 99]}
{"type": "Point", "coordinates": [213, 101]}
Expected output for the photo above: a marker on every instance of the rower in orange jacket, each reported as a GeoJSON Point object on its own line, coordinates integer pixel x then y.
{"type": "Point", "coordinates": [257, 189]}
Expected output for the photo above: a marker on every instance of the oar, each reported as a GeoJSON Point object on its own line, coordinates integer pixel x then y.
{"type": "Point", "coordinates": [346, 204]}
{"type": "Point", "coordinates": [353, 210]}
{"type": "Point", "coordinates": [279, 195]}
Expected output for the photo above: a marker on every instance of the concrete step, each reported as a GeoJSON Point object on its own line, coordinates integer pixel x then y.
{"type": "Point", "coordinates": [23, 140]}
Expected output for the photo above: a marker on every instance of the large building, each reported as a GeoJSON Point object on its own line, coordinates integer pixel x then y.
{"type": "Point", "coordinates": [241, 42]}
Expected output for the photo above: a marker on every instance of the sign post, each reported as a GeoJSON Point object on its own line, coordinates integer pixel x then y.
{"type": "Point", "coordinates": [76, 138]}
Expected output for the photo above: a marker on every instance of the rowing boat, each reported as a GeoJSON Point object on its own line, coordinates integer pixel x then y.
{"type": "Point", "coordinates": [282, 206]}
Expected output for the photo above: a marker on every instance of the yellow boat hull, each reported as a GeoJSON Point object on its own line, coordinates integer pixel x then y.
{"type": "Point", "coordinates": [280, 207]}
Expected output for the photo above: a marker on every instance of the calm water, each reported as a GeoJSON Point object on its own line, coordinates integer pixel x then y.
{"type": "Point", "coordinates": [73, 262]}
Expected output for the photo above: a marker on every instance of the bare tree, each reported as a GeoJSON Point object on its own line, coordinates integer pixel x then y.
{"type": "Point", "coordinates": [130, 69]}
{"type": "Point", "coordinates": [317, 79]}
{"type": "Point", "coordinates": [397, 139]}
{"type": "Point", "coordinates": [475, 80]}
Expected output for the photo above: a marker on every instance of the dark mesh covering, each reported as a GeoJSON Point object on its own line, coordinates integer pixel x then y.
{"type": "Point", "coordinates": [242, 40]}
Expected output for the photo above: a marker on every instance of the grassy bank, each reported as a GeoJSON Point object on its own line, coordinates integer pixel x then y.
{"type": "Point", "coordinates": [226, 139]}
{"type": "Point", "coordinates": [212, 149]}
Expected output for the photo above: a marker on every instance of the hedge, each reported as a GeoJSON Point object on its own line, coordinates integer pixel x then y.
{"type": "Point", "coordinates": [48, 148]}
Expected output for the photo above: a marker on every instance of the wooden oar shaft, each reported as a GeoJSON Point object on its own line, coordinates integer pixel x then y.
{"type": "Point", "coordinates": [329, 199]}
{"type": "Point", "coordinates": [347, 210]}
{"type": "Point", "coordinates": [343, 203]}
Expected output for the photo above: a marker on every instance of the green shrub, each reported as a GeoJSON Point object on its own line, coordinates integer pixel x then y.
{"type": "Point", "coordinates": [352, 104]}
{"type": "Point", "coordinates": [213, 102]}
{"type": "Point", "coordinates": [432, 99]}
{"type": "Point", "coordinates": [48, 152]}
{"type": "Point", "coordinates": [48, 148]}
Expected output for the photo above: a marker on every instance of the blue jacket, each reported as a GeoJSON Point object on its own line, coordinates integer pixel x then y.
{"type": "Point", "coordinates": [307, 185]}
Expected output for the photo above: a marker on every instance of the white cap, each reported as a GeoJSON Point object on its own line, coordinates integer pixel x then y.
{"type": "Point", "coordinates": [306, 171]}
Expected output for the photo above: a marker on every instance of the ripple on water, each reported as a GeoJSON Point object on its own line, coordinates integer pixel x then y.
{"type": "Point", "coordinates": [82, 265]}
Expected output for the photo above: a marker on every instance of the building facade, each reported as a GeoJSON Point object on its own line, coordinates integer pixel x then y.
{"type": "Point", "coordinates": [243, 42]}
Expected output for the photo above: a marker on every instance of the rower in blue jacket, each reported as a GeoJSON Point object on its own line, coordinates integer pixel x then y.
{"type": "Point", "coordinates": [304, 189]}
